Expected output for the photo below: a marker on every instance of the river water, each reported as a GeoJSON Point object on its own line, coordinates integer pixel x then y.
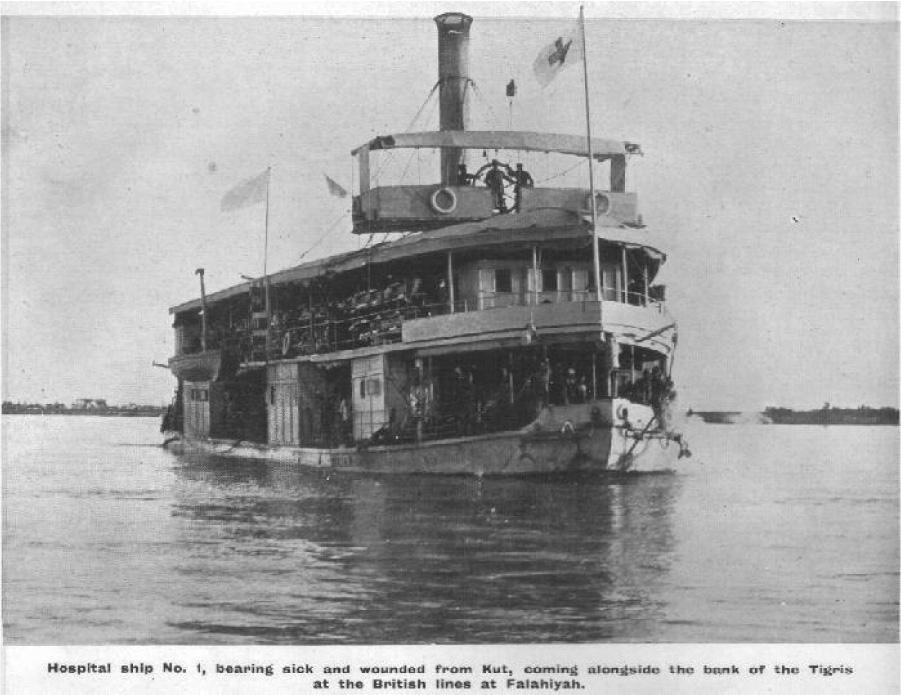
{"type": "Point", "coordinates": [769, 534]}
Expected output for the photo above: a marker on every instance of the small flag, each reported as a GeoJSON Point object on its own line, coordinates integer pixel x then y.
{"type": "Point", "coordinates": [562, 52]}
{"type": "Point", "coordinates": [247, 192]}
{"type": "Point", "coordinates": [511, 89]}
{"type": "Point", "coordinates": [335, 188]}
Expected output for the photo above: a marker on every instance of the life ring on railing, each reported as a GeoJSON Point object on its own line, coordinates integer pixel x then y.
{"type": "Point", "coordinates": [286, 344]}
{"type": "Point", "coordinates": [622, 412]}
{"type": "Point", "coordinates": [447, 193]}
{"type": "Point", "coordinates": [601, 203]}
{"type": "Point", "coordinates": [567, 428]}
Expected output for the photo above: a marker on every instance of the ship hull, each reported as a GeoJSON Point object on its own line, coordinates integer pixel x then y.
{"type": "Point", "coordinates": [568, 439]}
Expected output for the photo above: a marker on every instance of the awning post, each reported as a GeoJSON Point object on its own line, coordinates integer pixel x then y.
{"type": "Point", "coordinates": [450, 280]}
{"type": "Point", "coordinates": [199, 272]}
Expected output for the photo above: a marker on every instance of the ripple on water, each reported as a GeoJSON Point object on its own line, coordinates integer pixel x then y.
{"type": "Point", "coordinates": [792, 542]}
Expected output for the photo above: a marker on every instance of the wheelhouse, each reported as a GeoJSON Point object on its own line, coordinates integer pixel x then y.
{"type": "Point", "coordinates": [470, 192]}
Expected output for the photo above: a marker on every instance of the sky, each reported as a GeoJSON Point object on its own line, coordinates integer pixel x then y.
{"type": "Point", "coordinates": [770, 175]}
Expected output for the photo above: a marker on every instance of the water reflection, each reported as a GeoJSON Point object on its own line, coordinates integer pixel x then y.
{"type": "Point", "coordinates": [768, 535]}
{"type": "Point", "coordinates": [288, 555]}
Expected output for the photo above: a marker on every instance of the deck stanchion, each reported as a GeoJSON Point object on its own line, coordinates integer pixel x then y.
{"type": "Point", "coordinates": [450, 280]}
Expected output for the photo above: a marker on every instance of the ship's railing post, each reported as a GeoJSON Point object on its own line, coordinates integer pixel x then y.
{"type": "Point", "coordinates": [203, 310]}
{"type": "Point", "coordinates": [644, 270]}
{"type": "Point", "coordinates": [450, 279]}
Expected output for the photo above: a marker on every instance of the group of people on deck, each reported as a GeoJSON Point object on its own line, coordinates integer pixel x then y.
{"type": "Point", "coordinates": [496, 175]}
{"type": "Point", "coordinates": [653, 388]}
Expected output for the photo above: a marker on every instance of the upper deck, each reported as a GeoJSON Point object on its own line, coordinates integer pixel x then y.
{"type": "Point", "coordinates": [447, 290]}
{"type": "Point", "coordinates": [501, 185]}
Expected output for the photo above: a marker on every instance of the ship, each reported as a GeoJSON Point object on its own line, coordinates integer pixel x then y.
{"type": "Point", "coordinates": [506, 328]}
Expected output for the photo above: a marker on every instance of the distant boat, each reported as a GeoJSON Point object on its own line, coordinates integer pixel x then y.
{"type": "Point", "coordinates": [729, 417]}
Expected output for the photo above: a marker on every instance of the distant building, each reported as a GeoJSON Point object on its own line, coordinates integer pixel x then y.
{"type": "Point", "coordinates": [90, 404]}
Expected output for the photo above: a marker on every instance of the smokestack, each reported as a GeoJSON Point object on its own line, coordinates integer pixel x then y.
{"type": "Point", "coordinates": [453, 76]}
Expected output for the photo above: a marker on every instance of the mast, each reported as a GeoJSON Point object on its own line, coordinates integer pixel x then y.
{"type": "Point", "coordinates": [594, 214]}
{"type": "Point", "coordinates": [265, 265]}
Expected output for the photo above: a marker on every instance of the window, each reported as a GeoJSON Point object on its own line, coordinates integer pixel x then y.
{"type": "Point", "coordinates": [549, 280]}
{"type": "Point", "coordinates": [503, 281]}
{"type": "Point", "coordinates": [272, 395]}
{"type": "Point", "coordinates": [370, 387]}
{"type": "Point", "coordinates": [583, 279]}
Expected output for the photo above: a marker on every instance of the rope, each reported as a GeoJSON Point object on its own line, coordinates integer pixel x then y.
{"type": "Point", "coordinates": [640, 437]}
{"type": "Point", "coordinates": [325, 234]}
{"type": "Point", "coordinates": [390, 158]}
{"type": "Point", "coordinates": [418, 113]}
{"type": "Point", "coordinates": [562, 173]}
{"type": "Point", "coordinates": [478, 93]}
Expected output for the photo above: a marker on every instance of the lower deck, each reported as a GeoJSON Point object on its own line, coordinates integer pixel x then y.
{"type": "Point", "coordinates": [597, 436]}
{"type": "Point", "coordinates": [413, 396]}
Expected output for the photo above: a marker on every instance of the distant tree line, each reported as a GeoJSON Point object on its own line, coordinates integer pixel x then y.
{"type": "Point", "coordinates": [828, 415]}
{"type": "Point", "coordinates": [84, 406]}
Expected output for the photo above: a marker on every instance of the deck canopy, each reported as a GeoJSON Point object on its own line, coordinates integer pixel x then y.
{"type": "Point", "coordinates": [601, 149]}
{"type": "Point", "coordinates": [542, 226]}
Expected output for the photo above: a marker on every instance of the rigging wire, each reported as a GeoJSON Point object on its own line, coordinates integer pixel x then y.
{"type": "Point", "coordinates": [390, 157]}
{"type": "Point", "coordinates": [419, 113]}
{"type": "Point", "coordinates": [491, 111]}
{"type": "Point", "coordinates": [416, 152]}
{"type": "Point", "coordinates": [561, 173]}
{"type": "Point", "coordinates": [316, 243]}
{"type": "Point", "coordinates": [382, 164]}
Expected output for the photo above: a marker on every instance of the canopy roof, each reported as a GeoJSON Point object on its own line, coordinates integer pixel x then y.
{"type": "Point", "coordinates": [546, 225]}
{"type": "Point", "coordinates": [503, 140]}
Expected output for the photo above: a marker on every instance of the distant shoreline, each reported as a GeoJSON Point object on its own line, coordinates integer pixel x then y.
{"type": "Point", "coordinates": [785, 416]}
{"type": "Point", "coordinates": [771, 416]}
{"type": "Point", "coordinates": [140, 411]}
{"type": "Point", "coordinates": [114, 414]}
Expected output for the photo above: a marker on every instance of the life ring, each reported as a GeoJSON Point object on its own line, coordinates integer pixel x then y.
{"type": "Point", "coordinates": [622, 412]}
{"type": "Point", "coordinates": [601, 203]}
{"type": "Point", "coordinates": [567, 428]}
{"type": "Point", "coordinates": [443, 209]}
{"type": "Point", "coordinates": [286, 344]}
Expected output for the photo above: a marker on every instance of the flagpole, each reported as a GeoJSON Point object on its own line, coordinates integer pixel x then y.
{"type": "Point", "coordinates": [265, 264]}
{"type": "Point", "coordinates": [594, 213]}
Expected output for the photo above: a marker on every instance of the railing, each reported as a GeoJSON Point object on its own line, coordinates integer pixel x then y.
{"type": "Point", "coordinates": [304, 332]}
{"type": "Point", "coordinates": [400, 206]}
{"type": "Point", "coordinates": [642, 299]}
{"type": "Point", "coordinates": [493, 300]}
{"type": "Point", "coordinates": [460, 420]}
{"type": "Point", "coordinates": [366, 327]}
